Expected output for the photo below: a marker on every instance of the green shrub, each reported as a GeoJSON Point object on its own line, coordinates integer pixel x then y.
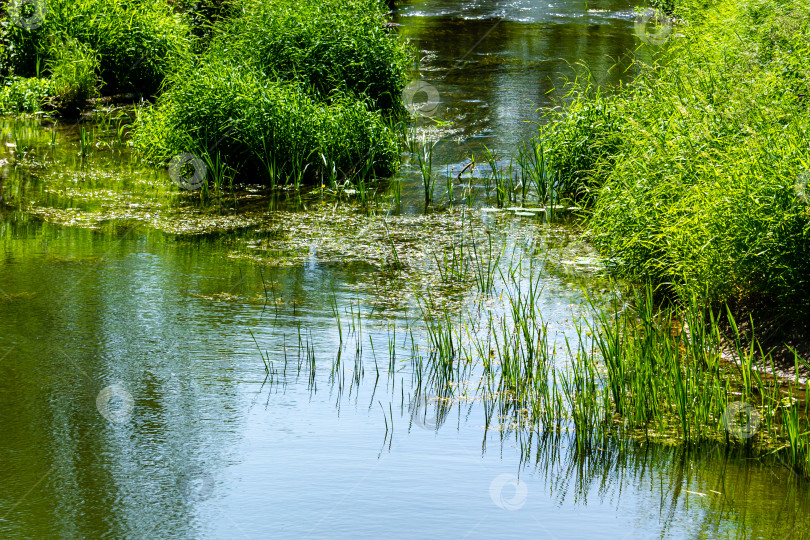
{"type": "Point", "coordinates": [329, 45]}
{"type": "Point", "coordinates": [138, 42]}
{"type": "Point", "coordinates": [287, 91]}
{"type": "Point", "coordinates": [699, 167]}
{"type": "Point", "coordinates": [73, 72]}
{"type": "Point", "coordinates": [268, 130]}
{"type": "Point", "coordinates": [581, 140]}
{"type": "Point", "coordinates": [24, 95]}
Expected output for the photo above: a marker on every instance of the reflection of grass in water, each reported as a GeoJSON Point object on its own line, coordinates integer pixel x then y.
{"type": "Point", "coordinates": [628, 374]}
{"type": "Point", "coordinates": [730, 494]}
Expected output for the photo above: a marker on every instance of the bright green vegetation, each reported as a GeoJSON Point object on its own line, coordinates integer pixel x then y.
{"type": "Point", "coordinates": [273, 92]}
{"type": "Point", "coordinates": [695, 171]}
{"type": "Point", "coordinates": [73, 77]}
{"type": "Point", "coordinates": [287, 92]}
{"type": "Point", "coordinates": [21, 95]}
{"type": "Point", "coordinates": [634, 372]}
{"type": "Point", "coordinates": [136, 43]}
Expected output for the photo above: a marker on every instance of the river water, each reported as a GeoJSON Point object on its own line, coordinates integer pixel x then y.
{"type": "Point", "coordinates": [134, 343]}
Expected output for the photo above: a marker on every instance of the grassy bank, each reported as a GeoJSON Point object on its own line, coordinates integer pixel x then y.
{"type": "Point", "coordinates": [696, 172]}
{"type": "Point", "coordinates": [637, 372]}
{"type": "Point", "coordinates": [276, 92]}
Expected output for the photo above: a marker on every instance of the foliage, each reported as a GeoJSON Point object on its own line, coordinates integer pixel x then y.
{"type": "Point", "coordinates": [270, 130]}
{"type": "Point", "coordinates": [329, 45]}
{"type": "Point", "coordinates": [287, 91]}
{"type": "Point", "coordinates": [699, 168]}
{"type": "Point", "coordinates": [137, 42]}
{"type": "Point", "coordinates": [73, 69]}
{"type": "Point", "coordinates": [21, 95]}
{"type": "Point", "coordinates": [202, 16]}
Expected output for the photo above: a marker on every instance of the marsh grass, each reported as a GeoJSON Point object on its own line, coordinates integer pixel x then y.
{"type": "Point", "coordinates": [424, 157]}
{"type": "Point", "coordinates": [85, 141]}
{"type": "Point", "coordinates": [631, 372]}
{"type": "Point", "coordinates": [693, 171]}
{"type": "Point", "coordinates": [646, 373]}
{"type": "Point", "coordinates": [290, 92]}
{"type": "Point", "coordinates": [73, 68]}
{"type": "Point", "coordinates": [137, 43]}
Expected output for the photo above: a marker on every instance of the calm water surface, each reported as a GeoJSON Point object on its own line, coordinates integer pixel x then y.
{"type": "Point", "coordinates": [134, 400]}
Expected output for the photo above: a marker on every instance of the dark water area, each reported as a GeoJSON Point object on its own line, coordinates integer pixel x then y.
{"type": "Point", "coordinates": [172, 372]}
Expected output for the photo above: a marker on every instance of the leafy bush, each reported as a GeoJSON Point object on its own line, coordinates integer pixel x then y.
{"type": "Point", "coordinates": [700, 167]}
{"type": "Point", "coordinates": [287, 90]}
{"type": "Point", "coordinates": [24, 95]}
{"type": "Point", "coordinates": [268, 130]}
{"type": "Point", "coordinates": [138, 42]}
{"type": "Point", "coordinates": [581, 140]}
{"type": "Point", "coordinates": [329, 45]}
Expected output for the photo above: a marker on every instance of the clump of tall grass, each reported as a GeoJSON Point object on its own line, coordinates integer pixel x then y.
{"type": "Point", "coordinates": [137, 42]}
{"type": "Point", "coordinates": [202, 17]}
{"type": "Point", "coordinates": [640, 371]}
{"type": "Point", "coordinates": [693, 170]}
{"type": "Point", "coordinates": [327, 45]}
{"type": "Point", "coordinates": [74, 76]}
{"type": "Point", "coordinates": [274, 131]}
{"type": "Point", "coordinates": [287, 92]}
{"type": "Point", "coordinates": [576, 145]}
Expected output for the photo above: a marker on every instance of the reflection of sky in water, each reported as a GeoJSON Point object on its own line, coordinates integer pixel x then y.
{"type": "Point", "coordinates": [530, 11]}
{"type": "Point", "coordinates": [497, 66]}
{"type": "Point", "coordinates": [210, 450]}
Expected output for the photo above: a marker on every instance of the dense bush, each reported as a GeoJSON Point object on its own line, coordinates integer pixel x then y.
{"type": "Point", "coordinates": [137, 42]}
{"type": "Point", "coordinates": [21, 95]}
{"type": "Point", "coordinates": [287, 89]}
{"type": "Point", "coordinates": [327, 44]}
{"type": "Point", "coordinates": [268, 130]}
{"type": "Point", "coordinates": [698, 168]}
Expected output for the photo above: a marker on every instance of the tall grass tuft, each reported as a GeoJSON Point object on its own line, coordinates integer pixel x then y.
{"type": "Point", "coordinates": [137, 42]}
{"type": "Point", "coordinates": [73, 71]}
{"type": "Point", "coordinates": [287, 93]}
{"type": "Point", "coordinates": [696, 172]}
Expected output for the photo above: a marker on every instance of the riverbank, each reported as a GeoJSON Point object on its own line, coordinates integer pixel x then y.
{"type": "Point", "coordinates": [696, 172]}
{"type": "Point", "coordinates": [167, 353]}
